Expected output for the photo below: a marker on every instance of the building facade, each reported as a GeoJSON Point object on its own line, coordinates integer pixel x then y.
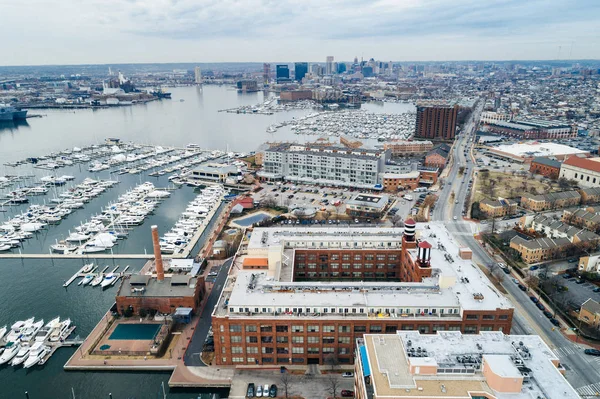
{"type": "Point", "coordinates": [402, 147]}
{"type": "Point", "coordinates": [585, 171]}
{"type": "Point", "coordinates": [545, 167]}
{"type": "Point", "coordinates": [327, 165]}
{"type": "Point", "coordinates": [269, 318]}
{"type": "Point", "coordinates": [300, 70]}
{"type": "Point", "coordinates": [543, 202]}
{"type": "Point", "coordinates": [367, 205]}
{"type": "Point", "coordinates": [498, 208]}
{"type": "Point", "coordinates": [436, 121]}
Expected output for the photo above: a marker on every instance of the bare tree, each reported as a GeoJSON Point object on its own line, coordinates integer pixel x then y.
{"type": "Point", "coordinates": [332, 360]}
{"type": "Point", "coordinates": [333, 384]}
{"type": "Point", "coordinates": [268, 202]}
{"type": "Point", "coordinates": [286, 382]}
{"type": "Point", "coordinates": [326, 214]}
{"type": "Point", "coordinates": [396, 220]}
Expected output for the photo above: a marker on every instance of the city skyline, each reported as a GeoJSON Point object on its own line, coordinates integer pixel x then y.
{"type": "Point", "coordinates": [209, 31]}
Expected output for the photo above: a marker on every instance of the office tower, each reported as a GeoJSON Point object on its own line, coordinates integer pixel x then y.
{"type": "Point", "coordinates": [266, 72]}
{"type": "Point", "coordinates": [329, 65]}
{"type": "Point", "coordinates": [341, 68]}
{"type": "Point", "coordinates": [283, 73]}
{"type": "Point", "coordinates": [300, 69]}
{"type": "Point", "coordinates": [197, 75]}
{"type": "Point", "coordinates": [436, 120]}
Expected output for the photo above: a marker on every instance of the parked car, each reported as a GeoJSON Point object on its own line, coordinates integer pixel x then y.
{"type": "Point", "coordinates": [273, 391]}
{"type": "Point", "coordinates": [572, 260]}
{"type": "Point", "coordinates": [348, 374]}
{"type": "Point", "coordinates": [250, 391]}
{"type": "Point", "coordinates": [259, 391]}
{"type": "Point", "coordinates": [555, 322]}
{"type": "Point", "coordinates": [534, 299]}
{"type": "Point", "coordinates": [534, 267]}
{"type": "Point", "coordinates": [547, 314]}
{"type": "Point", "coordinates": [540, 306]}
{"type": "Point", "coordinates": [597, 289]}
{"type": "Point", "coordinates": [579, 281]}
{"type": "Point", "coordinates": [522, 287]}
{"type": "Point", "coordinates": [566, 276]}
{"type": "Point", "coordinates": [266, 391]}
{"type": "Point", "coordinates": [347, 393]}
{"type": "Point", "coordinates": [592, 352]}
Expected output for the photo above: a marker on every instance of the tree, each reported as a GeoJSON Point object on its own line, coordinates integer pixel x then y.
{"type": "Point", "coordinates": [286, 382]}
{"type": "Point", "coordinates": [333, 361]}
{"type": "Point", "coordinates": [268, 202]}
{"type": "Point", "coordinates": [333, 384]}
{"type": "Point", "coordinates": [461, 170]}
{"type": "Point", "coordinates": [396, 220]}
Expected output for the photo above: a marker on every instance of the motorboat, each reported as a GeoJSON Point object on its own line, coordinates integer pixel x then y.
{"type": "Point", "coordinates": [29, 332]}
{"type": "Point", "coordinates": [88, 249]}
{"type": "Point", "coordinates": [87, 279]}
{"type": "Point", "coordinates": [5, 247]}
{"type": "Point", "coordinates": [58, 332]}
{"type": "Point", "coordinates": [3, 331]}
{"type": "Point", "coordinates": [97, 280]}
{"type": "Point", "coordinates": [45, 331]}
{"type": "Point", "coordinates": [87, 268]}
{"type": "Point", "coordinates": [10, 350]}
{"type": "Point", "coordinates": [21, 355]}
{"type": "Point", "coordinates": [37, 352]}
{"type": "Point", "coordinates": [17, 329]}
{"type": "Point", "coordinates": [77, 237]}
{"type": "Point", "coordinates": [108, 280]}
{"type": "Point", "coordinates": [62, 248]}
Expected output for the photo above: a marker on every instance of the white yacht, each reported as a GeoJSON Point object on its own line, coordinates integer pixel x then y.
{"type": "Point", "coordinates": [97, 280]}
{"type": "Point", "coordinates": [17, 329]}
{"type": "Point", "coordinates": [87, 279]}
{"type": "Point", "coordinates": [10, 350]}
{"type": "Point", "coordinates": [77, 237]}
{"type": "Point", "coordinates": [37, 352]}
{"type": "Point", "coordinates": [108, 280]}
{"type": "Point", "coordinates": [21, 355]}
{"type": "Point", "coordinates": [29, 332]}
{"type": "Point", "coordinates": [60, 330]}
{"type": "Point", "coordinates": [3, 331]}
{"type": "Point", "coordinates": [45, 331]}
{"type": "Point", "coordinates": [87, 268]}
{"type": "Point", "coordinates": [62, 248]}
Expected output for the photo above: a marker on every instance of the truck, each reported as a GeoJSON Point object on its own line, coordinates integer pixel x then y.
{"type": "Point", "coordinates": [408, 197]}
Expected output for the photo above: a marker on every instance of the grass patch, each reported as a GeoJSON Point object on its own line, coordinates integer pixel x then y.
{"type": "Point", "coordinates": [492, 185]}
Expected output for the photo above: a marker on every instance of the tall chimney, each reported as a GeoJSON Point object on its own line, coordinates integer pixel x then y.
{"type": "Point", "coordinates": [160, 271]}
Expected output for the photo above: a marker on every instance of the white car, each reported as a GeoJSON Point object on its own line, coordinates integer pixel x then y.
{"type": "Point", "coordinates": [455, 217]}
{"type": "Point", "coordinates": [259, 390]}
{"type": "Point", "coordinates": [266, 391]}
{"type": "Point", "coordinates": [348, 374]}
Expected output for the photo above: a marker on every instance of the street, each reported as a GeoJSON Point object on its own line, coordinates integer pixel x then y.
{"type": "Point", "coordinates": [582, 370]}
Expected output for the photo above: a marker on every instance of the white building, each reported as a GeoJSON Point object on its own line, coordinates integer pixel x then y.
{"type": "Point", "coordinates": [197, 75]}
{"type": "Point", "coordinates": [586, 171]}
{"type": "Point", "coordinates": [329, 65]}
{"type": "Point", "coordinates": [490, 117]}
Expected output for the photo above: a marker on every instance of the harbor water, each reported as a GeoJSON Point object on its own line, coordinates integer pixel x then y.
{"type": "Point", "coordinates": [33, 287]}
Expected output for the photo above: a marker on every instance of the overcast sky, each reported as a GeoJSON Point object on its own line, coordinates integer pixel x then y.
{"type": "Point", "coordinates": [131, 31]}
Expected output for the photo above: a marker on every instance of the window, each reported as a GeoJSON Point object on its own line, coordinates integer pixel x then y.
{"type": "Point", "coordinates": [357, 257]}
{"type": "Point", "coordinates": [470, 329]}
{"type": "Point", "coordinates": [251, 360]}
{"type": "Point", "coordinates": [281, 328]}
{"type": "Point", "coordinates": [297, 350]}
{"type": "Point", "coordinates": [313, 340]}
{"type": "Point", "coordinates": [237, 359]}
{"type": "Point", "coordinates": [503, 317]}
{"type": "Point", "coordinates": [297, 329]}
{"type": "Point", "coordinates": [360, 329]}
{"type": "Point", "coordinates": [251, 350]}
{"type": "Point", "coordinates": [235, 339]}
{"type": "Point", "coordinates": [297, 340]}
{"type": "Point", "coordinates": [284, 351]}
{"type": "Point", "coordinates": [313, 351]}
{"type": "Point", "coordinates": [235, 328]}
{"type": "Point", "coordinates": [251, 340]}
{"type": "Point", "coordinates": [343, 340]}
{"type": "Point", "coordinates": [237, 349]}
{"type": "Point", "coordinates": [344, 329]}
{"type": "Point", "coordinates": [488, 317]}
{"type": "Point", "coordinates": [375, 329]}
{"type": "Point", "coordinates": [486, 328]}
{"type": "Point", "coordinates": [266, 328]}
{"type": "Point", "coordinates": [251, 328]}
{"type": "Point", "coordinates": [328, 349]}
{"type": "Point", "coordinates": [391, 329]}
{"type": "Point", "coordinates": [328, 329]}
{"type": "Point", "coordinates": [343, 351]}
{"type": "Point", "coordinates": [312, 329]}
{"type": "Point", "coordinates": [328, 340]}
{"type": "Point", "coordinates": [282, 340]}
{"type": "Point", "coordinates": [267, 350]}
{"type": "Point", "coordinates": [266, 340]}
{"type": "Point", "coordinates": [472, 317]}
{"type": "Point", "coordinates": [267, 360]}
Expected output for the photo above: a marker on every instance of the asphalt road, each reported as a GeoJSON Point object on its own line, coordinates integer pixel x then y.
{"type": "Point", "coordinates": [192, 355]}
{"type": "Point", "coordinates": [582, 370]}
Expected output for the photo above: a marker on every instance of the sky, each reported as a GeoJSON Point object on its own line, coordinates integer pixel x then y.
{"type": "Point", "coordinates": [38, 32]}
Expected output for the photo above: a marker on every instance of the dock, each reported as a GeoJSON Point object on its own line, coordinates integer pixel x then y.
{"type": "Point", "coordinates": [60, 344]}
{"type": "Point", "coordinates": [79, 256]}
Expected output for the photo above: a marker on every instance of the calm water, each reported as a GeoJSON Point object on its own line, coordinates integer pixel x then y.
{"type": "Point", "coordinates": [34, 287]}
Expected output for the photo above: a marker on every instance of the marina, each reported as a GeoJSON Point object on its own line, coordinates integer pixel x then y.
{"type": "Point", "coordinates": [90, 275]}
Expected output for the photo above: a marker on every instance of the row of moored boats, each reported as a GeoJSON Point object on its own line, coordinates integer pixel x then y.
{"type": "Point", "coordinates": [29, 342]}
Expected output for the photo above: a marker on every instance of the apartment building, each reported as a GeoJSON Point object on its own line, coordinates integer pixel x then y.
{"type": "Point", "coordinates": [271, 318]}
{"type": "Point", "coordinates": [537, 250]}
{"type": "Point", "coordinates": [402, 147]}
{"type": "Point", "coordinates": [533, 129]}
{"type": "Point", "coordinates": [589, 313]}
{"type": "Point", "coordinates": [498, 208]}
{"type": "Point", "coordinates": [543, 202]}
{"type": "Point", "coordinates": [489, 365]}
{"type": "Point", "coordinates": [327, 165]}
{"type": "Point", "coordinates": [590, 195]}
{"type": "Point", "coordinates": [582, 217]}
{"type": "Point", "coordinates": [557, 229]}
{"type": "Point", "coordinates": [436, 120]}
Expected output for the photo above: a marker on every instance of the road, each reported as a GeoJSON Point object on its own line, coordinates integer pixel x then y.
{"type": "Point", "coordinates": [192, 355]}
{"type": "Point", "coordinates": [582, 370]}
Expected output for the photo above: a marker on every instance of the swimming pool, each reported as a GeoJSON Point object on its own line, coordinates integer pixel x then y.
{"type": "Point", "coordinates": [135, 331]}
{"type": "Point", "coordinates": [251, 219]}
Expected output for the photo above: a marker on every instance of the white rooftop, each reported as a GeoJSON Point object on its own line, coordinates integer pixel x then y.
{"type": "Point", "coordinates": [535, 149]}
{"type": "Point", "coordinates": [507, 355]}
{"type": "Point", "coordinates": [466, 287]}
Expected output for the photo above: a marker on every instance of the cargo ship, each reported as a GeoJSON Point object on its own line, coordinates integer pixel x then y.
{"type": "Point", "coordinates": [8, 113]}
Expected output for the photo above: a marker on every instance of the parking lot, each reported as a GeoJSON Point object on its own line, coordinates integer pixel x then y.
{"type": "Point", "coordinates": [308, 386]}
{"type": "Point", "coordinates": [578, 293]}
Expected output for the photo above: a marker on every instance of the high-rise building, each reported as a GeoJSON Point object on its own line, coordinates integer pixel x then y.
{"type": "Point", "coordinates": [300, 69]}
{"type": "Point", "coordinates": [266, 72]}
{"type": "Point", "coordinates": [329, 65]}
{"type": "Point", "coordinates": [436, 120]}
{"type": "Point", "coordinates": [283, 73]}
{"type": "Point", "coordinates": [341, 68]}
{"type": "Point", "coordinates": [197, 75]}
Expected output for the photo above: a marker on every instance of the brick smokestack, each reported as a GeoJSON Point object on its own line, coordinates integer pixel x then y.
{"type": "Point", "coordinates": [160, 271]}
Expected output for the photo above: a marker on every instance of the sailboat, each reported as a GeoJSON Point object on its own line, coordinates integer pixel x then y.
{"type": "Point", "coordinates": [108, 280]}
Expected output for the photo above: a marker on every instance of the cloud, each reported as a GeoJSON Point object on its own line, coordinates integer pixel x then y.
{"type": "Point", "coordinates": [219, 30]}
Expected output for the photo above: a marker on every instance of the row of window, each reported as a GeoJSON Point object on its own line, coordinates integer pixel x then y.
{"type": "Point", "coordinates": [399, 311]}
{"type": "Point", "coordinates": [280, 360]}
{"type": "Point", "coordinates": [324, 257]}
{"type": "Point", "coordinates": [324, 266]}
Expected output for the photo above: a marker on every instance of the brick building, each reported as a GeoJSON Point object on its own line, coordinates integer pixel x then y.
{"type": "Point", "coordinates": [402, 147]}
{"type": "Point", "coordinates": [393, 182]}
{"type": "Point", "coordinates": [590, 195]}
{"type": "Point", "coordinates": [268, 318]}
{"type": "Point", "coordinates": [545, 167]}
{"type": "Point", "coordinates": [436, 120]}
{"type": "Point", "coordinates": [437, 157]}
{"type": "Point", "coordinates": [543, 202]}
{"type": "Point", "coordinates": [498, 208]}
